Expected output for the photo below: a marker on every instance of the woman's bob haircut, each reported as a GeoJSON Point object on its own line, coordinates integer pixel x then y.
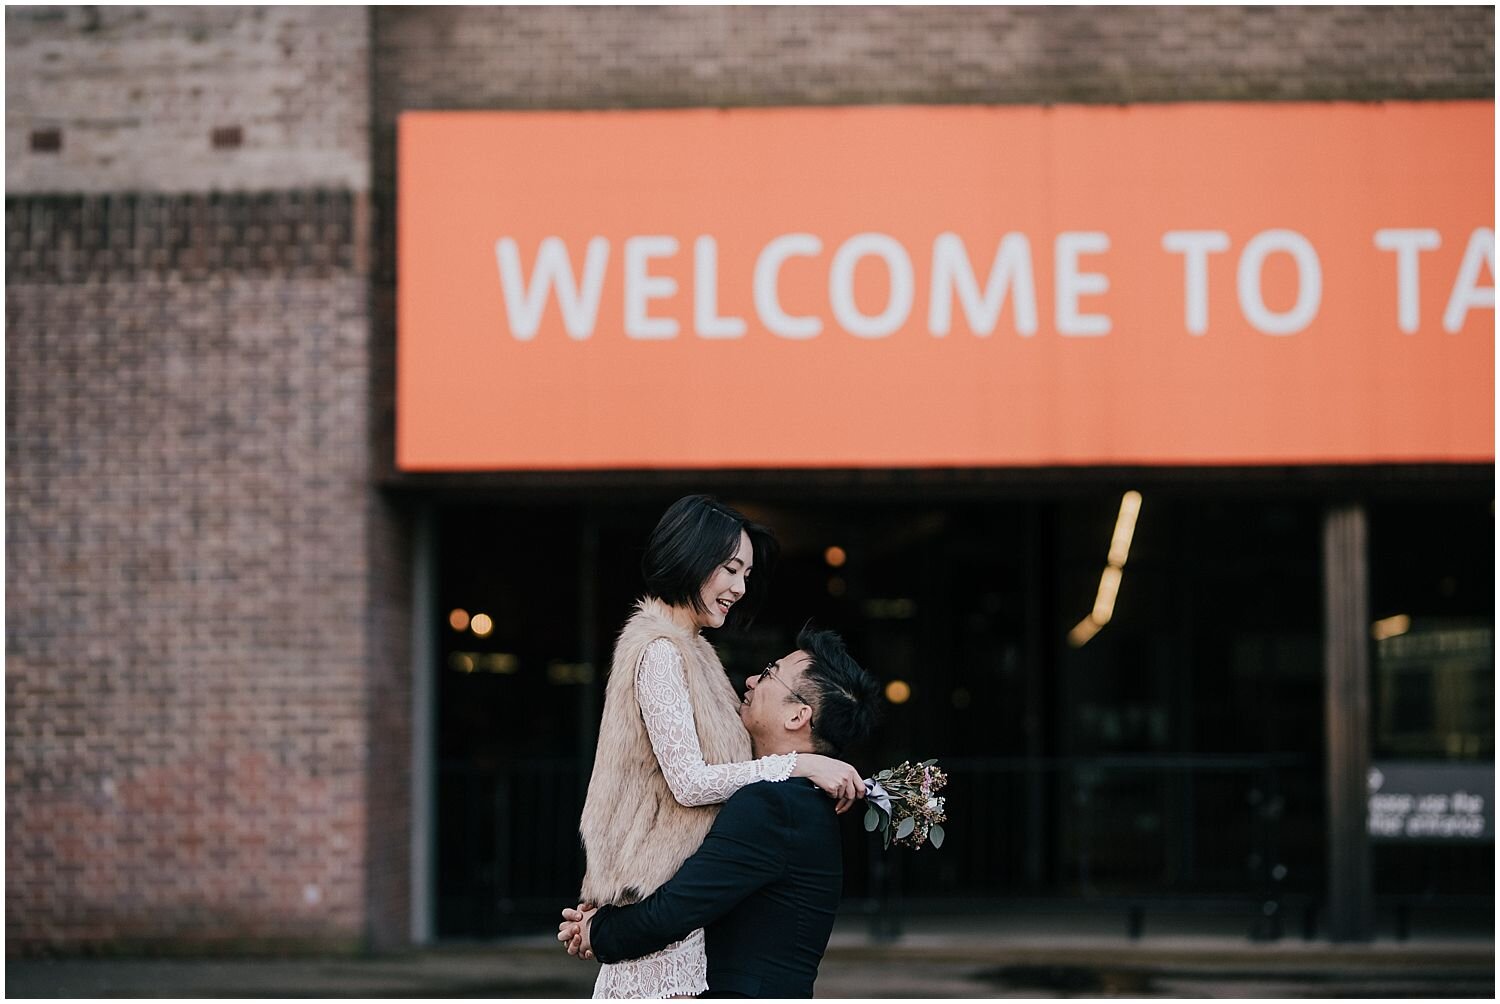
{"type": "Point", "coordinates": [696, 535]}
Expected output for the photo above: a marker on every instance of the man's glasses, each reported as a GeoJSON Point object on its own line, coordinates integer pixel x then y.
{"type": "Point", "coordinates": [769, 673]}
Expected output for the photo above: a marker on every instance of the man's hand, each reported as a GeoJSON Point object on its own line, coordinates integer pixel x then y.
{"type": "Point", "coordinates": [573, 932]}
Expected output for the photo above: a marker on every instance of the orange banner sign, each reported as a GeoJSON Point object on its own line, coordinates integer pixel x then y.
{"type": "Point", "coordinates": [901, 287]}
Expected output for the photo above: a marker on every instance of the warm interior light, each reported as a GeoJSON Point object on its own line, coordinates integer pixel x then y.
{"type": "Point", "coordinates": [835, 557]}
{"type": "Point", "coordinates": [1109, 588]}
{"type": "Point", "coordinates": [481, 625]}
{"type": "Point", "coordinates": [570, 673]}
{"type": "Point", "coordinates": [898, 692]}
{"type": "Point", "coordinates": [462, 661]}
{"type": "Point", "coordinates": [458, 618]}
{"type": "Point", "coordinates": [499, 662]}
{"type": "Point", "coordinates": [1119, 545]}
{"type": "Point", "coordinates": [1082, 632]}
{"type": "Point", "coordinates": [901, 609]}
{"type": "Point", "coordinates": [1109, 580]}
{"type": "Point", "coordinates": [1390, 627]}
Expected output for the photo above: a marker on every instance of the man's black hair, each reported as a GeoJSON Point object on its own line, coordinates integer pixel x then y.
{"type": "Point", "coordinates": [695, 536]}
{"type": "Point", "coordinates": [847, 698]}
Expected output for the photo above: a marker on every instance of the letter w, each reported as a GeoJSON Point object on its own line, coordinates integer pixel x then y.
{"type": "Point", "coordinates": [524, 304]}
{"type": "Point", "coordinates": [952, 272]}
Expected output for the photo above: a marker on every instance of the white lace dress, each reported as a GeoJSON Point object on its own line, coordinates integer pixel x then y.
{"type": "Point", "coordinates": [680, 969]}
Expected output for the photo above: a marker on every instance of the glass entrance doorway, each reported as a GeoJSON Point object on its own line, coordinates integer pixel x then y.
{"type": "Point", "coordinates": [1122, 719]}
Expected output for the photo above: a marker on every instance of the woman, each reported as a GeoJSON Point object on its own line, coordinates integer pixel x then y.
{"type": "Point", "coordinates": [671, 745]}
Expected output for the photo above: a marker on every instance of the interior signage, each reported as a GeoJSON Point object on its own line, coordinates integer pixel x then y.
{"type": "Point", "coordinates": [1424, 801]}
{"type": "Point", "coordinates": [960, 286]}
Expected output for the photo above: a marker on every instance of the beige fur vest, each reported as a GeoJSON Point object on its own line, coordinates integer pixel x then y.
{"type": "Point", "coordinates": [635, 834]}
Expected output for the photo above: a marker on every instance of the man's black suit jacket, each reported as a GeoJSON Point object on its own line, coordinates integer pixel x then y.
{"type": "Point", "coordinates": [764, 886]}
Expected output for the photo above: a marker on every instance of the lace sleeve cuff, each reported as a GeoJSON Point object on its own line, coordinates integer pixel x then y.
{"type": "Point", "coordinates": [778, 767]}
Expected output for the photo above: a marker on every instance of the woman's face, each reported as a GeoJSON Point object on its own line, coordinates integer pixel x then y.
{"type": "Point", "coordinates": [725, 586]}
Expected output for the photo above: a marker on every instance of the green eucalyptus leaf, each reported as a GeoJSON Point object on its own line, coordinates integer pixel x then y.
{"type": "Point", "coordinates": [872, 819]}
{"type": "Point", "coordinates": [928, 763]}
{"type": "Point", "coordinates": [904, 830]}
{"type": "Point", "coordinates": [935, 835]}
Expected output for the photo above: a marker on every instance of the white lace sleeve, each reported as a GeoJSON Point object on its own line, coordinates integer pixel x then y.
{"type": "Point", "coordinates": [661, 689]}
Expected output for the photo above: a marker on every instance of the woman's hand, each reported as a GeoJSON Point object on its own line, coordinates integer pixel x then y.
{"type": "Point", "coordinates": [573, 932]}
{"type": "Point", "coordinates": [836, 778]}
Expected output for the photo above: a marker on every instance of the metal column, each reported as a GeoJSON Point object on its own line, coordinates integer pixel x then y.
{"type": "Point", "coordinates": [588, 646]}
{"type": "Point", "coordinates": [424, 615]}
{"type": "Point", "coordinates": [1346, 662]}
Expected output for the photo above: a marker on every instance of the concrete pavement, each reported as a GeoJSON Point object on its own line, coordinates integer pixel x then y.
{"type": "Point", "coordinates": [932, 959]}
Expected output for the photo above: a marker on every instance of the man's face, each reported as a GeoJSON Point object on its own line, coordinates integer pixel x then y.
{"type": "Point", "coordinates": [769, 697]}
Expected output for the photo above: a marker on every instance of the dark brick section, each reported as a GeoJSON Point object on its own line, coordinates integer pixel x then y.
{"type": "Point", "coordinates": [388, 687]}
{"type": "Point", "coordinates": [189, 577]}
{"type": "Point", "coordinates": [74, 238]}
{"type": "Point", "coordinates": [627, 57]}
{"type": "Point", "coordinates": [46, 140]}
{"type": "Point", "coordinates": [227, 137]}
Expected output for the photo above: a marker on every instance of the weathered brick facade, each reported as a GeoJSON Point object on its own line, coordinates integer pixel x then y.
{"type": "Point", "coordinates": [208, 595]}
{"type": "Point", "coordinates": [199, 736]}
{"type": "Point", "coordinates": [624, 57]}
{"type": "Point", "coordinates": [136, 94]}
{"type": "Point", "coordinates": [186, 744]}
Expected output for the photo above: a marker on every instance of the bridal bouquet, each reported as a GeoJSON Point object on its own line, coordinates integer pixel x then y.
{"type": "Point", "coordinates": [904, 805]}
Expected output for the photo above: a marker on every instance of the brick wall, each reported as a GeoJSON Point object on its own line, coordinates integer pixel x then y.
{"type": "Point", "coordinates": [603, 57]}
{"type": "Point", "coordinates": [388, 720]}
{"type": "Point", "coordinates": [134, 96]}
{"type": "Point", "coordinates": [206, 676]}
{"type": "Point", "coordinates": [187, 563]}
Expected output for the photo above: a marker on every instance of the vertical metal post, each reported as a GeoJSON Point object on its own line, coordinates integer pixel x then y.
{"type": "Point", "coordinates": [1187, 534]}
{"type": "Point", "coordinates": [1346, 661]}
{"type": "Point", "coordinates": [588, 648]}
{"type": "Point", "coordinates": [424, 615]}
{"type": "Point", "coordinates": [1036, 699]}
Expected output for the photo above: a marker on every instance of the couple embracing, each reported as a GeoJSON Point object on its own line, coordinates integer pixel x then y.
{"type": "Point", "coordinates": [710, 832]}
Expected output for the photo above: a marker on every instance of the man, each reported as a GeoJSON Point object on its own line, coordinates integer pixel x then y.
{"type": "Point", "coordinates": [766, 883]}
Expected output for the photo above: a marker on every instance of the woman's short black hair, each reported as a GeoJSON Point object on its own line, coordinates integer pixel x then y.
{"type": "Point", "coordinates": [847, 697]}
{"type": "Point", "coordinates": [696, 535]}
